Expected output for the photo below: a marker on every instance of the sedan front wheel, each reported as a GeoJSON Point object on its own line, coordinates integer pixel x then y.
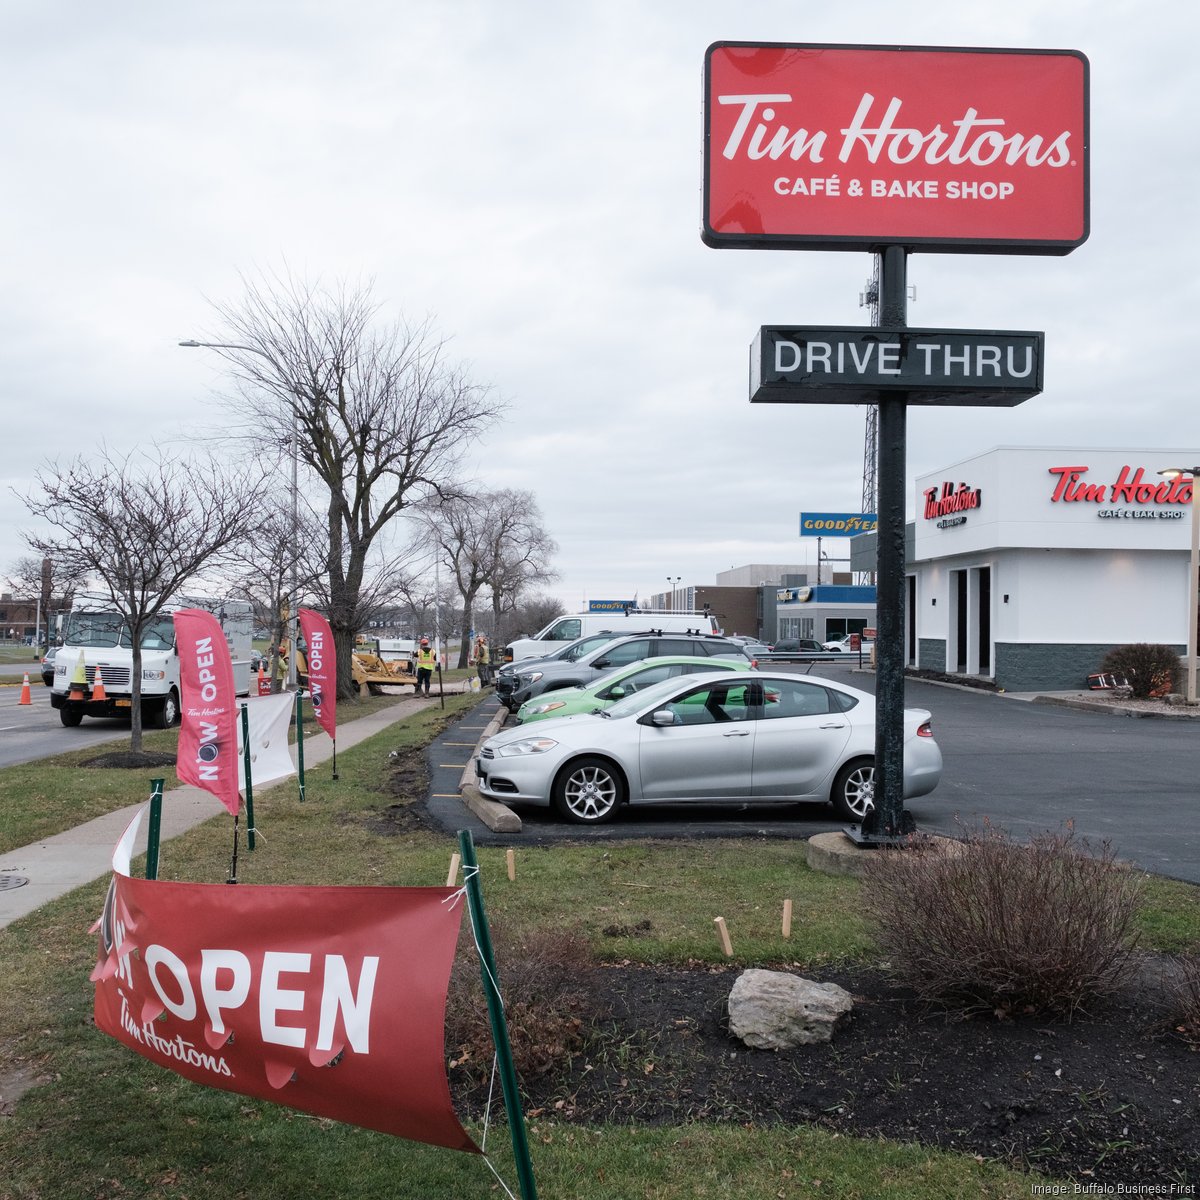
{"type": "Point", "coordinates": [588, 791]}
{"type": "Point", "coordinates": [854, 790]}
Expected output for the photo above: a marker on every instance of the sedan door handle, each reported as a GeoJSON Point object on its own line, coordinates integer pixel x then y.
{"type": "Point", "coordinates": [737, 733]}
{"type": "Point", "coordinates": [833, 725]}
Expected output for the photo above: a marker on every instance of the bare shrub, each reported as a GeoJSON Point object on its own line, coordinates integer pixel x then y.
{"type": "Point", "coordinates": [543, 1003]}
{"type": "Point", "coordinates": [1150, 670]}
{"type": "Point", "coordinates": [991, 925]}
{"type": "Point", "coordinates": [1184, 992]}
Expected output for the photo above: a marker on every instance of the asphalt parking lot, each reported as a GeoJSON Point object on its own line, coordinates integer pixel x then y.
{"type": "Point", "coordinates": [1026, 766]}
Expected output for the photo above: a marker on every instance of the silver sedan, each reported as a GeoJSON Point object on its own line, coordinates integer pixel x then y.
{"type": "Point", "coordinates": [711, 739]}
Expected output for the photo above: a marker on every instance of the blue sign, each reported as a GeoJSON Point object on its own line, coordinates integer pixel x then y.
{"type": "Point", "coordinates": [619, 606]}
{"type": "Point", "coordinates": [836, 524]}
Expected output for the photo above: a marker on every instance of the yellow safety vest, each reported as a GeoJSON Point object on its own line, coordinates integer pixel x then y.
{"type": "Point", "coordinates": [425, 658]}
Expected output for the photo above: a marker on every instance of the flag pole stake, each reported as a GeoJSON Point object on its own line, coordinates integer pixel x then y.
{"type": "Point", "coordinates": [154, 830]}
{"type": "Point", "coordinates": [487, 965]}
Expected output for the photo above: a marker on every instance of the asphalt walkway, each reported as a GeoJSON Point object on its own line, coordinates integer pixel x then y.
{"type": "Point", "coordinates": [58, 864]}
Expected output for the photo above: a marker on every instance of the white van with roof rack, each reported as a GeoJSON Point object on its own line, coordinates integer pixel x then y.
{"type": "Point", "coordinates": [564, 630]}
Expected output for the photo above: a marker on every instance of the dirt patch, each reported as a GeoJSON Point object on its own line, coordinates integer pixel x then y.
{"type": "Point", "coordinates": [1108, 1099]}
{"type": "Point", "coordinates": [128, 760]}
{"type": "Point", "coordinates": [408, 780]}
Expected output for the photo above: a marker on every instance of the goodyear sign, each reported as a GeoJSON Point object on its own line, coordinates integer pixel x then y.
{"type": "Point", "coordinates": [618, 606]}
{"type": "Point", "coordinates": [836, 524]}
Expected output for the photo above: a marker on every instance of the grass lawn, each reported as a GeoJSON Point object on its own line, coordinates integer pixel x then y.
{"type": "Point", "coordinates": [100, 1123]}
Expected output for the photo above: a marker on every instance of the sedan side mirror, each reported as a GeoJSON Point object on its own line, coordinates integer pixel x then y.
{"type": "Point", "coordinates": [615, 692]}
{"type": "Point", "coordinates": [662, 716]}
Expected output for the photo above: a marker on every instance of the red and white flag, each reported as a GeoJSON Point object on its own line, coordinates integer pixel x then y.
{"type": "Point", "coordinates": [322, 668]}
{"type": "Point", "coordinates": [208, 740]}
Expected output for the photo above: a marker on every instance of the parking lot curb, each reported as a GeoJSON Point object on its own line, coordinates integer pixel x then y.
{"type": "Point", "coordinates": [499, 818]}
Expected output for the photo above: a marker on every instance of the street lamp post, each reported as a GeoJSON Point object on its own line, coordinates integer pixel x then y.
{"type": "Point", "coordinates": [673, 581]}
{"type": "Point", "coordinates": [1191, 474]}
{"type": "Point", "coordinates": [294, 552]}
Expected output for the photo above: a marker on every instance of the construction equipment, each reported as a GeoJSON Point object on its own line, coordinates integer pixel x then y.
{"type": "Point", "coordinates": [379, 676]}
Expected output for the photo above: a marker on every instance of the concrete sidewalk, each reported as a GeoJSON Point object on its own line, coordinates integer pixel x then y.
{"type": "Point", "coordinates": [68, 860]}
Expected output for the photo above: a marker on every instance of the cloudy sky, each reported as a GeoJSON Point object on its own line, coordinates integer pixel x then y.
{"type": "Point", "coordinates": [529, 174]}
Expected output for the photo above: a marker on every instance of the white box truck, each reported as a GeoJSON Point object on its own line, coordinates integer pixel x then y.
{"type": "Point", "coordinates": [563, 630]}
{"type": "Point", "coordinates": [100, 635]}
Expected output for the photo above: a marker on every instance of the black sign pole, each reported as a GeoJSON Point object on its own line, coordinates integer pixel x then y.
{"type": "Point", "coordinates": [889, 820]}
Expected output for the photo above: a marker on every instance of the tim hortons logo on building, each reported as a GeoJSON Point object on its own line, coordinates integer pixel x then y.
{"type": "Point", "coordinates": [953, 502]}
{"type": "Point", "coordinates": [1132, 487]}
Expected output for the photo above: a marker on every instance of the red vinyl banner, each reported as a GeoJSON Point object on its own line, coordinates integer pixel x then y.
{"type": "Point", "coordinates": [208, 743]}
{"type": "Point", "coordinates": [328, 999]}
{"type": "Point", "coordinates": [322, 668]}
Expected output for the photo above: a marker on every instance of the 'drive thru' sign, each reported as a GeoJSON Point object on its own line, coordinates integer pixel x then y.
{"type": "Point", "coordinates": [855, 147]}
{"type": "Point", "coordinates": [826, 365]}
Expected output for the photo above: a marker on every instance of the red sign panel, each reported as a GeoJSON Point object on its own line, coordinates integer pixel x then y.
{"type": "Point", "coordinates": [857, 147]}
{"type": "Point", "coordinates": [328, 999]}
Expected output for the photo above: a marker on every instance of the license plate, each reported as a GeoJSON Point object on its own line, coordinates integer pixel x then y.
{"type": "Point", "coordinates": [123, 703]}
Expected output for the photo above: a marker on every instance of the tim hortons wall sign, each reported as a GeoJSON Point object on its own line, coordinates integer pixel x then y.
{"type": "Point", "coordinates": [933, 148]}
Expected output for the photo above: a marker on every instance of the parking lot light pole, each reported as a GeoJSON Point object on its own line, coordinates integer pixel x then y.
{"type": "Point", "coordinates": [294, 550]}
{"type": "Point", "coordinates": [1191, 474]}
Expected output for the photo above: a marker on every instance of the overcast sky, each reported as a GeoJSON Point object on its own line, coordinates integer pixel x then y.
{"type": "Point", "coordinates": [530, 175]}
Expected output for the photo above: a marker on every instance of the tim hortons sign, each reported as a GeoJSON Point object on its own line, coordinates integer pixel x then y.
{"type": "Point", "coordinates": [824, 147]}
{"type": "Point", "coordinates": [818, 364]}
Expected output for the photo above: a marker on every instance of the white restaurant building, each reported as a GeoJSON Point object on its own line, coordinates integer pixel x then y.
{"type": "Point", "coordinates": [1028, 564]}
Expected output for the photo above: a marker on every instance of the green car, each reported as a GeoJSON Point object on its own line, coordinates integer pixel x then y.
{"type": "Point", "coordinates": [618, 684]}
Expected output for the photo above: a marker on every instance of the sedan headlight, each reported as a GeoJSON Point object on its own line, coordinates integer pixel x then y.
{"type": "Point", "coordinates": [532, 745]}
{"type": "Point", "coordinates": [548, 707]}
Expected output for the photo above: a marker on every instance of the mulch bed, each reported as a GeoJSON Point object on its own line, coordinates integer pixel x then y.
{"type": "Point", "coordinates": [1106, 1099]}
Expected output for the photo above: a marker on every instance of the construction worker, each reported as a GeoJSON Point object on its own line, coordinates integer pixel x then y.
{"type": "Point", "coordinates": [483, 660]}
{"type": "Point", "coordinates": [425, 662]}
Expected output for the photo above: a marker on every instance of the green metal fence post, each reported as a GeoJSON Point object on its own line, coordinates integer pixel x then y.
{"type": "Point", "coordinates": [154, 831]}
{"type": "Point", "coordinates": [300, 741]}
{"type": "Point", "coordinates": [491, 989]}
{"type": "Point", "coordinates": [249, 781]}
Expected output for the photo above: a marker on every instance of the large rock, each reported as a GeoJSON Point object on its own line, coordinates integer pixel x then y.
{"type": "Point", "coordinates": [772, 1010]}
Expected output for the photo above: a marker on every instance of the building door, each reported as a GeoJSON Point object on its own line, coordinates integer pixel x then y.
{"type": "Point", "coordinates": [958, 586]}
{"type": "Point", "coordinates": [984, 623]}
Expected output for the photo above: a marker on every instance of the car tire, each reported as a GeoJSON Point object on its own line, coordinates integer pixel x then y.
{"type": "Point", "coordinates": [70, 717]}
{"type": "Point", "coordinates": [167, 713]}
{"type": "Point", "coordinates": [854, 790]}
{"type": "Point", "coordinates": [589, 791]}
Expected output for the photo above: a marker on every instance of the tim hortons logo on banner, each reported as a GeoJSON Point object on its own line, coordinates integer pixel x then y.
{"type": "Point", "coordinates": [952, 501]}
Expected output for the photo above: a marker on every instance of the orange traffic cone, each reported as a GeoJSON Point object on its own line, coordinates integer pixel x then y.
{"type": "Point", "coordinates": [98, 692]}
{"type": "Point", "coordinates": [26, 698]}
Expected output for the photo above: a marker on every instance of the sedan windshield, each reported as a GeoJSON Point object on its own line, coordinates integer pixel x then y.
{"type": "Point", "coordinates": [642, 700]}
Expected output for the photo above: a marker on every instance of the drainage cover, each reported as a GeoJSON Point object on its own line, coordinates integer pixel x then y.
{"type": "Point", "coordinates": [7, 882]}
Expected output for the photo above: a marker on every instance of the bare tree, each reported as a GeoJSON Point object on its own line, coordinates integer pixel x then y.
{"type": "Point", "coordinates": [141, 527]}
{"type": "Point", "coordinates": [460, 529]}
{"type": "Point", "coordinates": [520, 551]}
{"type": "Point", "coordinates": [42, 578]}
{"type": "Point", "coordinates": [534, 613]}
{"type": "Point", "coordinates": [379, 414]}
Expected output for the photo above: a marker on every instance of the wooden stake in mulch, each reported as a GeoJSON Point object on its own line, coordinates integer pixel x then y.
{"type": "Point", "coordinates": [726, 944]}
{"type": "Point", "coordinates": [511, 859]}
{"type": "Point", "coordinates": [787, 918]}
